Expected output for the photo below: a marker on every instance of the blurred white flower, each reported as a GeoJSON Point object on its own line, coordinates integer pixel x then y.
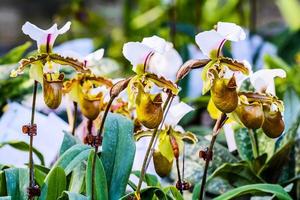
{"type": "Point", "coordinates": [263, 80]}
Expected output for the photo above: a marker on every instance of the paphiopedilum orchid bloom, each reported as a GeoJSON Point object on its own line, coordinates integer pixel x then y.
{"type": "Point", "coordinates": [90, 92]}
{"type": "Point", "coordinates": [262, 109]}
{"type": "Point", "coordinates": [155, 62]}
{"type": "Point", "coordinates": [211, 43]}
{"type": "Point", "coordinates": [45, 65]}
{"type": "Point", "coordinates": [171, 138]}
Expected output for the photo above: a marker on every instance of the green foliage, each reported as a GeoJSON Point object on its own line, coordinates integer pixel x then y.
{"type": "Point", "coordinates": [149, 179]}
{"type": "Point", "coordinates": [72, 158]}
{"type": "Point", "coordinates": [237, 174]}
{"type": "Point", "coordinates": [17, 181]}
{"type": "Point", "coordinates": [101, 190]}
{"type": "Point", "coordinates": [23, 146]}
{"type": "Point", "coordinates": [72, 196]}
{"type": "Point", "coordinates": [68, 141]}
{"type": "Point", "coordinates": [243, 144]}
{"type": "Point", "coordinates": [55, 183]}
{"type": "Point", "coordinates": [15, 55]}
{"type": "Point", "coordinates": [117, 153]}
{"type": "Point", "coordinates": [277, 190]}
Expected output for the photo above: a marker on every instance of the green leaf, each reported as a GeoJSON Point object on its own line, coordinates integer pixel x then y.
{"type": "Point", "coordinates": [72, 196]}
{"type": "Point", "coordinates": [272, 168]}
{"type": "Point", "coordinates": [68, 141]}
{"type": "Point", "coordinates": [23, 146]}
{"type": "Point", "coordinates": [290, 12]}
{"type": "Point", "coordinates": [149, 179]}
{"type": "Point", "coordinates": [72, 157]}
{"type": "Point", "coordinates": [40, 173]}
{"type": "Point", "coordinates": [291, 107]}
{"type": "Point", "coordinates": [55, 183]}
{"type": "Point", "coordinates": [15, 55]}
{"type": "Point", "coordinates": [101, 190]}
{"type": "Point", "coordinates": [148, 194]}
{"type": "Point", "coordinates": [237, 174]}
{"type": "Point", "coordinates": [77, 179]}
{"type": "Point", "coordinates": [243, 143]}
{"type": "Point", "coordinates": [173, 191]}
{"type": "Point", "coordinates": [118, 153]}
{"type": "Point", "coordinates": [265, 144]}
{"type": "Point", "coordinates": [17, 181]}
{"type": "Point", "coordinates": [277, 190]}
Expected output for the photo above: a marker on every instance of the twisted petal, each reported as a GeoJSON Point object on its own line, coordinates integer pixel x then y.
{"type": "Point", "coordinates": [93, 58]}
{"type": "Point", "coordinates": [231, 31]}
{"type": "Point", "coordinates": [263, 80]}
{"type": "Point", "coordinates": [44, 37]}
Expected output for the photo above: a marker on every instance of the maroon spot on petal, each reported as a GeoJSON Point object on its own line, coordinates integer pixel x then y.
{"type": "Point", "coordinates": [48, 43]}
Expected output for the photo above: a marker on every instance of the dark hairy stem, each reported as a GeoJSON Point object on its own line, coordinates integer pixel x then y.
{"type": "Point", "coordinates": [96, 146]}
{"type": "Point", "coordinates": [31, 169]}
{"type": "Point", "coordinates": [75, 117]}
{"type": "Point", "coordinates": [144, 166]}
{"type": "Point", "coordinates": [218, 125]}
{"type": "Point", "coordinates": [179, 176]}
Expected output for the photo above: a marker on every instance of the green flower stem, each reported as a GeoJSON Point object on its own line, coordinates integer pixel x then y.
{"type": "Point", "coordinates": [218, 125]}
{"type": "Point", "coordinates": [253, 143]}
{"type": "Point", "coordinates": [96, 146]}
{"type": "Point", "coordinates": [144, 166]}
{"type": "Point", "coordinates": [75, 117]}
{"type": "Point", "coordinates": [31, 169]}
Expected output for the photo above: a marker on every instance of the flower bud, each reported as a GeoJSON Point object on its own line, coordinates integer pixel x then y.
{"type": "Point", "coordinates": [224, 94]}
{"type": "Point", "coordinates": [251, 115]}
{"type": "Point", "coordinates": [52, 89]}
{"type": "Point", "coordinates": [273, 125]}
{"type": "Point", "coordinates": [149, 111]}
{"type": "Point", "coordinates": [161, 164]}
{"type": "Point", "coordinates": [118, 87]}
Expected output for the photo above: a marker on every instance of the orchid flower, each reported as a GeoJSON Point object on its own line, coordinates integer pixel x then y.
{"type": "Point", "coordinates": [171, 138]}
{"type": "Point", "coordinates": [259, 109]}
{"type": "Point", "coordinates": [215, 73]}
{"type": "Point", "coordinates": [45, 65]}
{"type": "Point", "coordinates": [211, 44]}
{"type": "Point", "coordinates": [90, 92]}
{"type": "Point", "coordinates": [155, 62]}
